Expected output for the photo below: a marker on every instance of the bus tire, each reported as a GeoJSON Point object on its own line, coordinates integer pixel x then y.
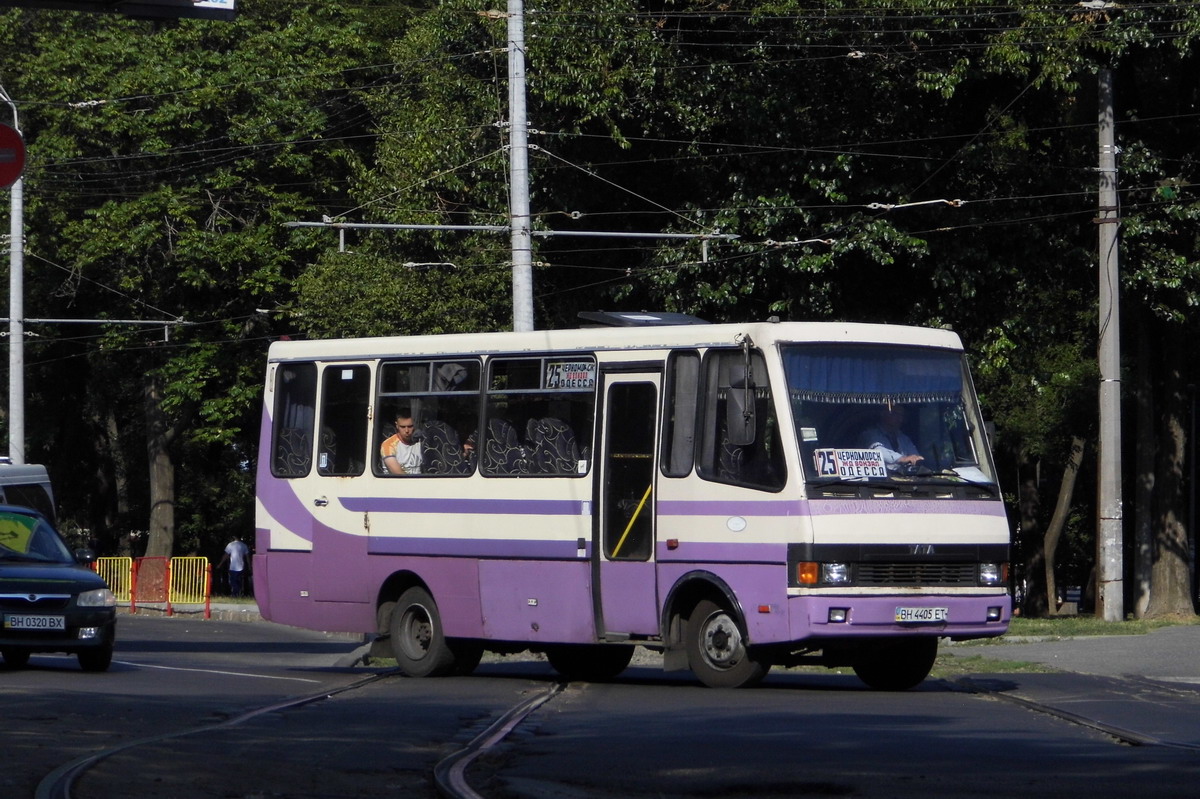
{"type": "Point", "coordinates": [716, 649]}
{"type": "Point", "coordinates": [467, 654]}
{"type": "Point", "coordinates": [897, 665]}
{"type": "Point", "coordinates": [589, 662]}
{"type": "Point", "coordinates": [418, 641]}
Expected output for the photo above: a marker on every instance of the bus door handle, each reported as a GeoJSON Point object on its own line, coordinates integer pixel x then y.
{"type": "Point", "coordinates": [320, 502]}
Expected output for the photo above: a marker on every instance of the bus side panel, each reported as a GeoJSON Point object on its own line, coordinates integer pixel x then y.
{"type": "Point", "coordinates": [290, 601]}
{"type": "Point", "coordinates": [537, 601]}
{"type": "Point", "coordinates": [453, 583]}
{"type": "Point", "coordinates": [338, 564]}
{"type": "Point", "coordinates": [630, 597]}
{"type": "Point", "coordinates": [760, 590]}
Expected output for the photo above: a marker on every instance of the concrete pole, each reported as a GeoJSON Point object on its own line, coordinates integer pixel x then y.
{"type": "Point", "coordinates": [1110, 584]}
{"type": "Point", "coordinates": [518, 131]}
{"type": "Point", "coordinates": [16, 325]}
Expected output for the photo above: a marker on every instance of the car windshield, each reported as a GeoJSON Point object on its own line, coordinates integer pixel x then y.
{"type": "Point", "coordinates": [886, 414]}
{"type": "Point", "coordinates": [24, 537]}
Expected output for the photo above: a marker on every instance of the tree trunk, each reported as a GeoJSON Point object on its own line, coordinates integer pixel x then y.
{"type": "Point", "coordinates": [1062, 508]}
{"type": "Point", "coordinates": [1170, 592]}
{"type": "Point", "coordinates": [1034, 601]}
{"type": "Point", "coordinates": [116, 517]}
{"type": "Point", "coordinates": [159, 434]}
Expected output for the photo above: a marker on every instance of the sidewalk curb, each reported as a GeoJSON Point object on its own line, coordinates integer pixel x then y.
{"type": "Point", "coordinates": [217, 612]}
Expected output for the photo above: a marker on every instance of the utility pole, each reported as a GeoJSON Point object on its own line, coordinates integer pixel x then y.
{"type": "Point", "coordinates": [518, 169]}
{"type": "Point", "coordinates": [16, 325]}
{"type": "Point", "coordinates": [1110, 584]}
{"type": "Point", "coordinates": [16, 308]}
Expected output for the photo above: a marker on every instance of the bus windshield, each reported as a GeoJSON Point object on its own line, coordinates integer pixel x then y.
{"type": "Point", "coordinates": [866, 413]}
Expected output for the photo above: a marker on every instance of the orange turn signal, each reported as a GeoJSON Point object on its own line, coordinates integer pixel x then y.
{"type": "Point", "coordinates": [807, 573]}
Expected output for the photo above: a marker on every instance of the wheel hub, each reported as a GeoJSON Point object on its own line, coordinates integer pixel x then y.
{"type": "Point", "coordinates": [722, 642]}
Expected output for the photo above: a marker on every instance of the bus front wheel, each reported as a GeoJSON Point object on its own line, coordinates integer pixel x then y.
{"type": "Point", "coordinates": [418, 641]}
{"type": "Point", "coordinates": [897, 665]}
{"type": "Point", "coordinates": [717, 651]}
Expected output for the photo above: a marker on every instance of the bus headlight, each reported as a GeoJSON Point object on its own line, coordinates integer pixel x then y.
{"type": "Point", "coordinates": [835, 573]}
{"type": "Point", "coordinates": [991, 573]}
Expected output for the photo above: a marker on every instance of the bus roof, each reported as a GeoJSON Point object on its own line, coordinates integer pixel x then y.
{"type": "Point", "coordinates": [614, 339]}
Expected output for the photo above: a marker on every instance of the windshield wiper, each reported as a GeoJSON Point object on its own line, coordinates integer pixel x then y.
{"type": "Point", "coordinates": [991, 489]}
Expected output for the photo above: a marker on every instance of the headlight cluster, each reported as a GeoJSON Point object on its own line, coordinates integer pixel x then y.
{"type": "Point", "coordinates": [810, 573]}
{"type": "Point", "coordinates": [97, 598]}
{"type": "Point", "coordinates": [993, 573]}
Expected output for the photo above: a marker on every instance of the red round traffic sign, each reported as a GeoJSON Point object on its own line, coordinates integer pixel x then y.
{"type": "Point", "coordinates": [12, 156]}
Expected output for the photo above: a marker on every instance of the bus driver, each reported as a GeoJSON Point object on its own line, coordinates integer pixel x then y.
{"type": "Point", "coordinates": [898, 450]}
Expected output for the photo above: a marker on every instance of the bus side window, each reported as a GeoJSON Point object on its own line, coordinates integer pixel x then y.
{"type": "Point", "coordinates": [443, 399]}
{"type": "Point", "coordinates": [345, 399]}
{"type": "Point", "coordinates": [293, 418]}
{"type": "Point", "coordinates": [682, 395]}
{"type": "Point", "coordinates": [723, 458]}
{"type": "Point", "coordinates": [539, 416]}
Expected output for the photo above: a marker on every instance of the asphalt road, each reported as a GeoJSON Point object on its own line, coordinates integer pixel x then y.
{"type": "Point", "coordinates": [195, 710]}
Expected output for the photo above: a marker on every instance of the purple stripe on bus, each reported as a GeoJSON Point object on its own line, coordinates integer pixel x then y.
{"type": "Point", "coordinates": [281, 502]}
{"type": "Point", "coordinates": [522, 507]}
{"type": "Point", "coordinates": [476, 548]}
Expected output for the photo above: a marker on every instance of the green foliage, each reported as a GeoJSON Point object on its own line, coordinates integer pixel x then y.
{"type": "Point", "coordinates": [164, 161]}
{"type": "Point", "coordinates": [926, 162]}
{"type": "Point", "coordinates": [348, 294]}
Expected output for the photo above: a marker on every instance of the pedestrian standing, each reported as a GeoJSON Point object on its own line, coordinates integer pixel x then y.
{"type": "Point", "coordinates": [237, 555]}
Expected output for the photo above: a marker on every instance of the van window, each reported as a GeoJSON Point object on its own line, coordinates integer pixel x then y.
{"type": "Point", "coordinates": [27, 485]}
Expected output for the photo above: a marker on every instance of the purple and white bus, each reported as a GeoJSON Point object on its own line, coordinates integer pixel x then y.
{"type": "Point", "coordinates": [720, 493]}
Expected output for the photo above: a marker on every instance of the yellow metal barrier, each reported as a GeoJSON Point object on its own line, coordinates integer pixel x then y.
{"type": "Point", "coordinates": [117, 573]}
{"type": "Point", "coordinates": [189, 581]}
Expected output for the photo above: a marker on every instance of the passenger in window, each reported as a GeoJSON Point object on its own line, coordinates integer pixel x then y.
{"type": "Point", "coordinates": [898, 450]}
{"type": "Point", "coordinates": [401, 452]}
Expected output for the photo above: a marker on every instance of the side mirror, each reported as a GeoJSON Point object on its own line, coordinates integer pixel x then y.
{"type": "Point", "coordinates": [85, 556]}
{"type": "Point", "coordinates": [739, 408]}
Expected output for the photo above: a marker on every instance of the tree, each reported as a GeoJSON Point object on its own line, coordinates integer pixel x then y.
{"type": "Point", "coordinates": [165, 160]}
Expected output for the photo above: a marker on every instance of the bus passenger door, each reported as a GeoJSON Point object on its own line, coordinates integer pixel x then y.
{"type": "Point", "coordinates": [623, 570]}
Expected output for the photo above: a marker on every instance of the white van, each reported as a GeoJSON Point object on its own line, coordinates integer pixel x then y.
{"type": "Point", "coordinates": [27, 485]}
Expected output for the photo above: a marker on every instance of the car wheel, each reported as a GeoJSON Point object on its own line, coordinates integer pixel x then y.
{"type": "Point", "coordinates": [97, 659]}
{"type": "Point", "coordinates": [15, 658]}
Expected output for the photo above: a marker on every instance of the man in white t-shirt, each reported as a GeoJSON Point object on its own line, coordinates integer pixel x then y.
{"type": "Point", "coordinates": [401, 452]}
{"type": "Point", "coordinates": [237, 555]}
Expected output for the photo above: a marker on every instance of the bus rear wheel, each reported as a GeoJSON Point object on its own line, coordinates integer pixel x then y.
{"type": "Point", "coordinates": [717, 652]}
{"type": "Point", "coordinates": [589, 662]}
{"type": "Point", "coordinates": [897, 665]}
{"type": "Point", "coordinates": [418, 641]}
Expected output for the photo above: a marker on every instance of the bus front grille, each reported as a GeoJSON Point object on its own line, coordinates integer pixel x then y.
{"type": "Point", "coordinates": [946, 574]}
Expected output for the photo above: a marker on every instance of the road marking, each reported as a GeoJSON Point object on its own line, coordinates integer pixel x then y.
{"type": "Point", "coordinates": [213, 671]}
